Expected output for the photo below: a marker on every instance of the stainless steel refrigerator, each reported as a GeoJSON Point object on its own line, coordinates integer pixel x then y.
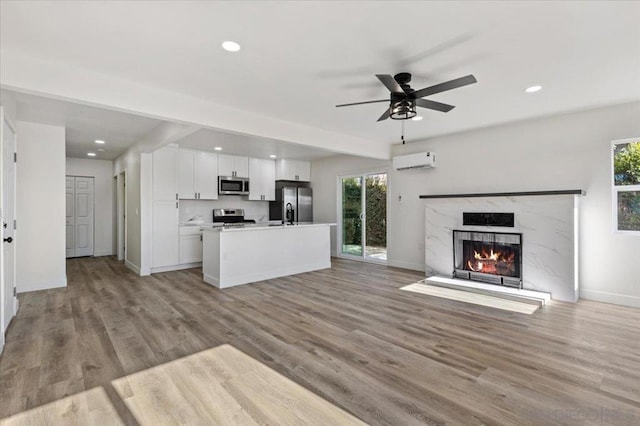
{"type": "Point", "coordinates": [298, 199]}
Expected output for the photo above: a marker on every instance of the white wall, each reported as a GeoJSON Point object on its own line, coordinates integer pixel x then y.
{"type": "Point", "coordinates": [102, 172]}
{"type": "Point", "coordinates": [569, 151]}
{"type": "Point", "coordinates": [8, 103]}
{"type": "Point", "coordinates": [40, 209]}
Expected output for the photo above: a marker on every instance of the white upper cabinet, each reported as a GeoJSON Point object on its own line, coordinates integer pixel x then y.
{"type": "Point", "coordinates": [186, 175]}
{"type": "Point", "coordinates": [165, 170]}
{"type": "Point", "coordinates": [233, 165]}
{"type": "Point", "coordinates": [206, 175]}
{"type": "Point", "coordinates": [293, 170]}
{"type": "Point", "coordinates": [197, 175]}
{"type": "Point", "coordinates": [262, 179]}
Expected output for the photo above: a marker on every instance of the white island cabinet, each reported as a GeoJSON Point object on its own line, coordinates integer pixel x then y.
{"type": "Point", "coordinates": [237, 256]}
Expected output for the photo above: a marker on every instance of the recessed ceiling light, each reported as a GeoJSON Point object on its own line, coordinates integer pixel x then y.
{"type": "Point", "coordinates": [91, 154]}
{"type": "Point", "coordinates": [272, 156]}
{"type": "Point", "coordinates": [533, 89]}
{"type": "Point", "coordinates": [417, 118]}
{"type": "Point", "coordinates": [230, 46]}
{"type": "Point", "coordinates": [99, 142]}
{"type": "Point", "coordinates": [217, 148]}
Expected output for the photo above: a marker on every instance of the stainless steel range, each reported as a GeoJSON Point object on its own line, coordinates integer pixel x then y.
{"type": "Point", "coordinates": [231, 217]}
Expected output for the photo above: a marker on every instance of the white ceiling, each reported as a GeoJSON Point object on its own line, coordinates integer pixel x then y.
{"type": "Point", "coordinates": [299, 59]}
{"type": "Point", "coordinates": [84, 124]}
{"type": "Point", "coordinates": [250, 146]}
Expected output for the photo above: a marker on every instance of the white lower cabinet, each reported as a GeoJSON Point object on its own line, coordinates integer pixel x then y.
{"type": "Point", "coordinates": [190, 245]}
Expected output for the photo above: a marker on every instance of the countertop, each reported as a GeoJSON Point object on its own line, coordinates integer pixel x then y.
{"type": "Point", "coordinates": [265, 226]}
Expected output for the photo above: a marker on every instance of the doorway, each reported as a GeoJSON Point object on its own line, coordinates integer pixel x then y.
{"type": "Point", "coordinates": [363, 216]}
{"type": "Point", "coordinates": [79, 216]}
{"type": "Point", "coordinates": [8, 299]}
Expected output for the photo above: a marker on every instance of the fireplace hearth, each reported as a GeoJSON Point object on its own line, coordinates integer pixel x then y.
{"type": "Point", "coordinates": [491, 257]}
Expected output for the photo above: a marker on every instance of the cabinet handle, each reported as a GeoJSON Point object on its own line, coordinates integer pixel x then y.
{"type": "Point", "coordinates": [176, 204]}
{"type": "Point", "coordinates": [200, 237]}
{"type": "Point", "coordinates": [176, 197]}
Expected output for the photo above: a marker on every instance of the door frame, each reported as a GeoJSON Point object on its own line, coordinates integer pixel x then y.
{"type": "Point", "coordinates": [363, 201]}
{"type": "Point", "coordinates": [3, 326]}
{"type": "Point", "coordinates": [121, 211]}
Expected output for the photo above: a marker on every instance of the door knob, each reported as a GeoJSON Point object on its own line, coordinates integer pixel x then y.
{"type": "Point", "coordinates": [8, 240]}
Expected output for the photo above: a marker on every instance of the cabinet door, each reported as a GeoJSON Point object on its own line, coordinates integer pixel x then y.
{"type": "Point", "coordinates": [190, 248]}
{"type": "Point", "coordinates": [225, 165]}
{"type": "Point", "coordinates": [302, 171]}
{"type": "Point", "coordinates": [241, 166]}
{"type": "Point", "coordinates": [284, 170]}
{"type": "Point", "coordinates": [255, 179]}
{"type": "Point", "coordinates": [269, 180]}
{"type": "Point", "coordinates": [165, 233]}
{"type": "Point", "coordinates": [165, 174]}
{"type": "Point", "coordinates": [206, 175]}
{"type": "Point", "coordinates": [186, 174]}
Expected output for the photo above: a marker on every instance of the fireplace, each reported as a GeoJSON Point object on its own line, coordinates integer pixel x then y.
{"type": "Point", "coordinates": [491, 257]}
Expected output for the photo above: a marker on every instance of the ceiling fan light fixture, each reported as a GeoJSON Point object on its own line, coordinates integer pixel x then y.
{"type": "Point", "coordinates": [403, 110]}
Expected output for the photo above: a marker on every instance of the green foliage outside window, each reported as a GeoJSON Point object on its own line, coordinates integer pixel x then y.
{"type": "Point", "coordinates": [626, 164]}
{"type": "Point", "coordinates": [626, 171]}
{"type": "Point", "coordinates": [376, 205]}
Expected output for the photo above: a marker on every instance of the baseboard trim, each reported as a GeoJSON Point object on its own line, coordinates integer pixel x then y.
{"type": "Point", "coordinates": [102, 253]}
{"type": "Point", "coordinates": [133, 267]}
{"type": "Point", "coordinates": [406, 265]}
{"type": "Point", "coordinates": [606, 297]}
{"type": "Point", "coordinates": [175, 267]}
{"type": "Point", "coordinates": [43, 285]}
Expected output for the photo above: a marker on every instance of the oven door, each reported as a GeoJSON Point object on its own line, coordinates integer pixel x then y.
{"type": "Point", "coordinates": [229, 185]}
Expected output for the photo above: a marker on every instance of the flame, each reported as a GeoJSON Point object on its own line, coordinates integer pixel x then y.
{"type": "Point", "coordinates": [491, 261]}
{"type": "Point", "coordinates": [493, 256]}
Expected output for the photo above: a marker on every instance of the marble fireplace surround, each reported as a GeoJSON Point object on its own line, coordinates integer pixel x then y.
{"type": "Point", "coordinates": [548, 221]}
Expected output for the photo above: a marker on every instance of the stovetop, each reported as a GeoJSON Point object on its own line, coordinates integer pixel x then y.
{"type": "Point", "coordinates": [231, 217]}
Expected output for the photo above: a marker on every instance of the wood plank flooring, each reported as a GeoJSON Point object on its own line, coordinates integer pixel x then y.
{"type": "Point", "coordinates": [115, 348]}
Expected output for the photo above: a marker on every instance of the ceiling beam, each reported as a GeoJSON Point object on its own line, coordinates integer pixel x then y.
{"type": "Point", "coordinates": [26, 74]}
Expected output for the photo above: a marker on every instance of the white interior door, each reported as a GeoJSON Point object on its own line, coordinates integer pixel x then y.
{"type": "Point", "coordinates": [79, 221]}
{"type": "Point", "coordinates": [70, 216]}
{"type": "Point", "coordinates": [7, 217]}
{"type": "Point", "coordinates": [83, 232]}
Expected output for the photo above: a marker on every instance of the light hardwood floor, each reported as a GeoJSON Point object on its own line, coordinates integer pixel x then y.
{"type": "Point", "coordinates": [327, 347]}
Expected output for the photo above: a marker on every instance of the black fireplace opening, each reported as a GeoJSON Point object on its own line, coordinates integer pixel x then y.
{"type": "Point", "coordinates": [492, 257]}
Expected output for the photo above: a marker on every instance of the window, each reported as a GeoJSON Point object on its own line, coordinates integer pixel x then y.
{"type": "Point", "coordinates": [626, 185]}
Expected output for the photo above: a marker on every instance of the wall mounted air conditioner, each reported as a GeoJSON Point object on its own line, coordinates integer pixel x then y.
{"type": "Point", "coordinates": [420, 160]}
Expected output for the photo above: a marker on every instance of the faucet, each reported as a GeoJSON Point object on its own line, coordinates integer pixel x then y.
{"type": "Point", "coordinates": [289, 213]}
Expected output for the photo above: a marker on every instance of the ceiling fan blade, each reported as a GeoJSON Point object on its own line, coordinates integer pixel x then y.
{"type": "Point", "coordinates": [424, 103]}
{"type": "Point", "coordinates": [386, 114]}
{"type": "Point", "coordinates": [443, 87]}
{"type": "Point", "coordinates": [390, 83]}
{"type": "Point", "coordinates": [361, 103]}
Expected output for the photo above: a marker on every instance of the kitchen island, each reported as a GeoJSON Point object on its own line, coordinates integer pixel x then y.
{"type": "Point", "coordinates": [241, 255]}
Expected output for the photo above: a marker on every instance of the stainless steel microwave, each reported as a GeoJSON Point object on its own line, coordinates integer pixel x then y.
{"type": "Point", "coordinates": [231, 185]}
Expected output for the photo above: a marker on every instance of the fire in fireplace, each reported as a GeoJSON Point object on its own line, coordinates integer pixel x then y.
{"type": "Point", "coordinates": [492, 257]}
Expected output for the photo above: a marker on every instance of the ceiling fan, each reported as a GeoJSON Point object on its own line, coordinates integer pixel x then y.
{"type": "Point", "coordinates": [403, 99]}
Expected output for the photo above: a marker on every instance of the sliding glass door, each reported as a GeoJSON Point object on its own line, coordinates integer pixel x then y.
{"type": "Point", "coordinates": [363, 218]}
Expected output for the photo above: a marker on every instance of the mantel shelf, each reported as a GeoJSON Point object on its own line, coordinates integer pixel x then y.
{"type": "Point", "coordinates": [507, 194]}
